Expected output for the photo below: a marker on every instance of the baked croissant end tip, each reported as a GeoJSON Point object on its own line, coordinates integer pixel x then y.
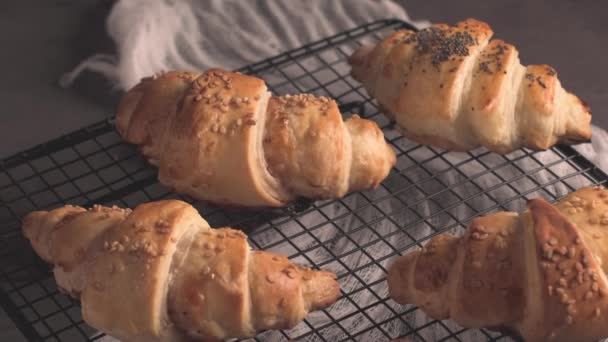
{"type": "Point", "coordinates": [321, 289]}
{"type": "Point", "coordinates": [456, 88]}
{"type": "Point", "coordinates": [160, 273]}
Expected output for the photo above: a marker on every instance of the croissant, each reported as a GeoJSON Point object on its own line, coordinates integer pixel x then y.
{"type": "Point", "coordinates": [160, 273]}
{"type": "Point", "coordinates": [221, 137]}
{"type": "Point", "coordinates": [453, 87]}
{"type": "Point", "coordinates": [539, 274]}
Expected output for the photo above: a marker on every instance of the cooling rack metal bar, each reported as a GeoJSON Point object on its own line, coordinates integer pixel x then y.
{"type": "Point", "coordinates": [428, 192]}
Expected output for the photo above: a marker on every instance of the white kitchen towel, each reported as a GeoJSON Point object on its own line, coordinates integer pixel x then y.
{"type": "Point", "coordinates": [151, 36]}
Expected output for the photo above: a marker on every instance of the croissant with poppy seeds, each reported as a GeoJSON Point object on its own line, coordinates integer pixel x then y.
{"type": "Point", "coordinates": [540, 274]}
{"type": "Point", "coordinates": [221, 137]}
{"type": "Point", "coordinates": [453, 87]}
{"type": "Point", "coordinates": [160, 273]}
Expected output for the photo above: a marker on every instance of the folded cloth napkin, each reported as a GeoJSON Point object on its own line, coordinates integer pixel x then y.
{"type": "Point", "coordinates": [151, 36]}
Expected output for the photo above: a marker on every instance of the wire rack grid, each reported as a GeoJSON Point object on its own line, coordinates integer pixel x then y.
{"type": "Point", "coordinates": [429, 191]}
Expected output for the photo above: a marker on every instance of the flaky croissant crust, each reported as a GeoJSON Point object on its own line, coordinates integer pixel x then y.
{"type": "Point", "coordinates": [453, 87]}
{"type": "Point", "coordinates": [540, 274]}
{"type": "Point", "coordinates": [221, 137]}
{"type": "Point", "coordinates": [160, 273]}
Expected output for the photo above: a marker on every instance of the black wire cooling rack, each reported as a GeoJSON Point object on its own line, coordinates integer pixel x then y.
{"type": "Point", "coordinates": [428, 192]}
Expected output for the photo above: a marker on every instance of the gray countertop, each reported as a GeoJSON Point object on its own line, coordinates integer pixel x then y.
{"type": "Point", "coordinates": [42, 39]}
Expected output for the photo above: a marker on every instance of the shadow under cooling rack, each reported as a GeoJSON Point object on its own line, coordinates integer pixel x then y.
{"type": "Point", "coordinates": [429, 191]}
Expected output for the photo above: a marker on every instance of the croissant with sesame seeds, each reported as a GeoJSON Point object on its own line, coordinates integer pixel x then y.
{"type": "Point", "coordinates": [539, 274]}
{"type": "Point", "coordinates": [453, 87]}
{"type": "Point", "coordinates": [221, 137]}
{"type": "Point", "coordinates": [160, 273]}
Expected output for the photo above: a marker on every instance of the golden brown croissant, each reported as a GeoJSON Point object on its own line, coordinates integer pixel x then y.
{"type": "Point", "coordinates": [450, 86]}
{"type": "Point", "coordinates": [540, 274]}
{"type": "Point", "coordinates": [159, 273]}
{"type": "Point", "coordinates": [220, 136]}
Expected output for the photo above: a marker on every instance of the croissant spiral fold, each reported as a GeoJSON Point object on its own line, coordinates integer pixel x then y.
{"type": "Point", "coordinates": [221, 137]}
{"type": "Point", "coordinates": [160, 273]}
{"type": "Point", "coordinates": [453, 87]}
{"type": "Point", "coordinates": [540, 274]}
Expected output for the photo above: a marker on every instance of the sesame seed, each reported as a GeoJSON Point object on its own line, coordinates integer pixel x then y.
{"type": "Point", "coordinates": [212, 275]}
{"type": "Point", "coordinates": [569, 319]}
{"type": "Point", "coordinates": [222, 130]}
{"type": "Point", "coordinates": [98, 285]}
{"type": "Point", "coordinates": [572, 211]}
{"type": "Point", "coordinates": [597, 312]}
{"type": "Point", "coordinates": [481, 229]}
{"type": "Point", "coordinates": [571, 252]}
{"type": "Point", "coordinates": [577, 241]}
{"type": "Point", "coordinates": [595, 287]}
{"type": "Point", "coordinates": [563, 282]}
{"type": "Point", "coordinates": [588, 295]}
{"type": "Point", "coordinates": [548, 251]}
{"type": "Point", "coordinates": [553, 241]}
{"type": "Point", "coordinates": [550, 290]}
